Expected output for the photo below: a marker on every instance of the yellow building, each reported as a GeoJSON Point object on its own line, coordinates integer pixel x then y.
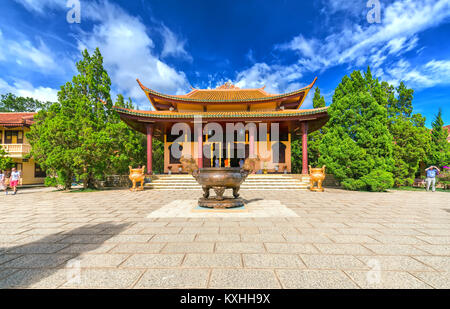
{"type": "Point", "coordinates": [13, 127]}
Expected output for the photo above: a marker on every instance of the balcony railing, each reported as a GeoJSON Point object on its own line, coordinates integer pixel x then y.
{"type": "Point", "coordinates": [16, 150]}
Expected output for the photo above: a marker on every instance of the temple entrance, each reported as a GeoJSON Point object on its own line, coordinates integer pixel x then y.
{"type": "Point", "coordinates": [222, 155]}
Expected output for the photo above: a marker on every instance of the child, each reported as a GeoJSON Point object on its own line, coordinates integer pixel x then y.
{"type": "Point", "coordinates": [14, 179]}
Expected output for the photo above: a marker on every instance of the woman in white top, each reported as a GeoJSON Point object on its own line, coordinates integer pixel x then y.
{"type": "Point", "coordinates": [2, 181]}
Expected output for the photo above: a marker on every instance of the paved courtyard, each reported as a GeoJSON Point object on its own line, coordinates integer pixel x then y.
{"type": "Point", "coordinates": [285, 239]}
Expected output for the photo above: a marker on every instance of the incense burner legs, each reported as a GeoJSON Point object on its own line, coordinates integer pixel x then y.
{"type": "Point", "coordinates": [220, 201]}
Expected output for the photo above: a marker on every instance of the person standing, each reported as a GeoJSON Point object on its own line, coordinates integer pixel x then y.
{"type": "Point", "coordinates": [14, 179]}
{"type": "Point", "coordinates": [432, 172]}
{"type": "Point", "coordinates": [2, 181]}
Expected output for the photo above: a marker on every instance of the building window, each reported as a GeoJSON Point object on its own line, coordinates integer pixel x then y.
{"type": "Point", "coordinates": [38, 172]}
{"type": "Point", "coordinates": [13, 137]}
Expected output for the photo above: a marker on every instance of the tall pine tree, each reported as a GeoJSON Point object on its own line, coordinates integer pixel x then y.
{"type": "Point", "coordinates": [440, 148]}
{"type": "Point", "coordinates": [357, 147]}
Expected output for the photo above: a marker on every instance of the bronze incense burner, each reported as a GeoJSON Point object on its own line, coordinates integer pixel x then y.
{"type": "Point", "coordinates": [219, 179]}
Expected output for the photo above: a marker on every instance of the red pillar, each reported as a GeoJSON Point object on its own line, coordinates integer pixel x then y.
{"type": "Point", "coordinates": [200, 145]}
{"type": "Point", "coordinates": [305, 148]}
{"type": "Point", "coordinates": [149, 149]}
{"type": "Point", "coordinates": [251, 138]}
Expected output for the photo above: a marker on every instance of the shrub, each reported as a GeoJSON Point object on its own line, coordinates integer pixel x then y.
{"type": "Point", "coordinates": [354, 184]}
{"type": "Point", "coordinates": [378, 180]}
{"type": "Point", "coordinates": [50, 182]}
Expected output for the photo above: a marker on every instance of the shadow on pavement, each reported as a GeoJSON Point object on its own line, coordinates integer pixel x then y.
{"type": "Point", "coordinates": [25, 265]}
{"type": "Point", "coordinates": [252, 200]}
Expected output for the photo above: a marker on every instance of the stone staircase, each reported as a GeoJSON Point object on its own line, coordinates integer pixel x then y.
{"type": "Point", "coordinates": [253, 182]}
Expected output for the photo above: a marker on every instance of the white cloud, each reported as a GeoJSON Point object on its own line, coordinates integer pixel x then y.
{"type": "Point", "coordinates": [128, 53]}
{"type": "Point", "coordinates": [26, 54]}
{"type": "Point", "coordinates": [430, 74]}
{"type": "Point", "coordinates": [25, 89]}
{"type": "Point", "coordinates": [39, 6]}
{"type": "Point", "coordinates": [276, 78]}
{"type": "Point", "coordinates": [40, 56]}
{"type": "Point", "coordinates": [401, 23]}
{"type": "Point", "coordinates": [353, 7]}
{"type": "Point", "coordinates": [360, 44]}
{"type": "Point", "coordinates": [172, 45]}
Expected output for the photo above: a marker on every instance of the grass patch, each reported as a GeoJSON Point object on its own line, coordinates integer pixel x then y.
{"type": "Point", "coordinates": [81, 190]}
{"type": "Point", "coordinates": [419, 189]}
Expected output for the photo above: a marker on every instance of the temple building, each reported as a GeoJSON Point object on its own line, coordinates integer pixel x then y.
{"type": "Point", "coordinates": [227, 105]}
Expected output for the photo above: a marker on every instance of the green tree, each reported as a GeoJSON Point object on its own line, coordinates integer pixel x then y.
{"type": "Point", "coordinates": [158, 156]}
{"type": "Point", "coordinates": [81, 136]}
{"type": "Point", "coordinates": [53, 143]}
{"type": "Point", "coordinates": [358, 142]}
{"type": "Point", "coordinates": [411, 137]}
{"type": "Point", "coordinates": [10, 103]}
{"type": "Point", "coordinates": [315, 138]}
{"type": "Point", "coordinates": [440, 148]}
{"type": "Point", "coordinates": [128, 145]}
{"type": "Point", "coordinates": [5, 161]}
{"type": "Point", "coordinates": [410, 148]}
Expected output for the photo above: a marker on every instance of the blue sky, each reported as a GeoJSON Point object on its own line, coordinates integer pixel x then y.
{"type": "Point", "coordinates": [172, 45]}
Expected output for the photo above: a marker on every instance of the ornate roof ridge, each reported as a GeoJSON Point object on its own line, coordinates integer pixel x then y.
{"type": "Point", "coordinates": [266, 96]}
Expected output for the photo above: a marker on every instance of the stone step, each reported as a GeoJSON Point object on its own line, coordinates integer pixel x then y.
{"type": "Point", "coordinates": [249, 176]}
{"type": "Point", "coordinates": [243, 185]}
{"type": "Point", "coordinates": [242, 189]}
{"type": "Point", "coordinates": [247, 181]}
{"type": "Point", "coordinates": [253, 182]}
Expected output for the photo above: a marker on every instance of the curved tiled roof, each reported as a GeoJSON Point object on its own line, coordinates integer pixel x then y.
{"type": "Point", "coordinates": [223, 95]}
{"type": "Point", "coordinates": [226, 95]}
{"type": "Point", "coordinates": [251, 114]}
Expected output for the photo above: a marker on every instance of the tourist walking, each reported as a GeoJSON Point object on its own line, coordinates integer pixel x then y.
{"type": "Point", "coordinates": [14, 179]}
{"type": "Point", "coordinates": [3, 181]}
{"type": "Point", "coordinates": [432, 172]}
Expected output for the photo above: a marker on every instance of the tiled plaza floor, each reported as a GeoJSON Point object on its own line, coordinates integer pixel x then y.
{"type": "Point", "coordinates": [120, 239]}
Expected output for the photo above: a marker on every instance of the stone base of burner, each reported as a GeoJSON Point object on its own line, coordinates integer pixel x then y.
{"type": "Point", "coordinates": [226, 202]}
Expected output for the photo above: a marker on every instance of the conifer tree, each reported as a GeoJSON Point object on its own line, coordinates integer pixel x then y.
{"type": "Point", "coordinates": [357, 147]}
{"type": "Point", "coordinates": [440, 147]}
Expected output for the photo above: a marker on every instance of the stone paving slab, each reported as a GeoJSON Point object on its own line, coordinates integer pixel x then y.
{"type": "Point", "coordinates": [315, 279]}
{"type": "Point", "coordinates": [243, 279]}
{"type": "Point", "coordinates": [287, 239]}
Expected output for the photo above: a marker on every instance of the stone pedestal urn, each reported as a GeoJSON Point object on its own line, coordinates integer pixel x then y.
{"type": "Point", "coordinates": [317, 176]}
{"type": "Point", "coordinates": [219, 179]}
{"type": "Point", "coordinates": [137, 175]}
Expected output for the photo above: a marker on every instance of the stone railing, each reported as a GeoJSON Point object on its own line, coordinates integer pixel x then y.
{"type": "Point", "coordinates": [16, 150]}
